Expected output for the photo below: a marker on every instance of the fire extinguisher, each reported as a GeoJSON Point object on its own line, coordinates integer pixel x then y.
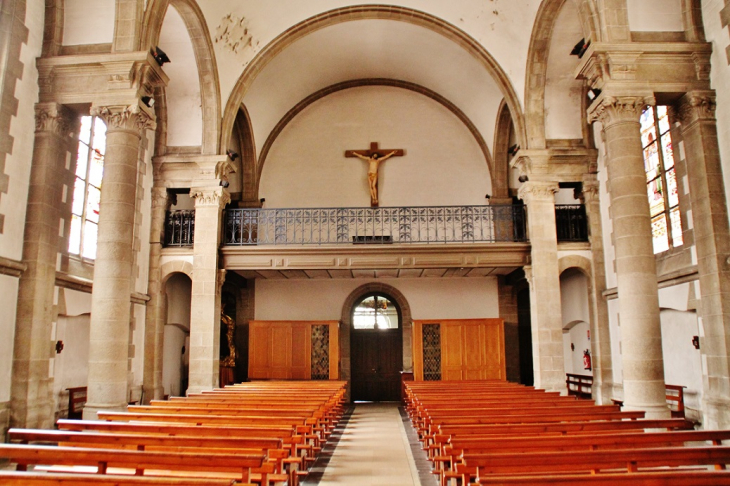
{"type": "Point", "coordinates": [587, 360]}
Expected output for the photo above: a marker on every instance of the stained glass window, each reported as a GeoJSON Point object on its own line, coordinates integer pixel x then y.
{"type": "Point", "coordinates": [87, 188]}
{"type": "Point", "coordinates": [375, 312]}
{"type": "Point", "coordinates": [661, 179]}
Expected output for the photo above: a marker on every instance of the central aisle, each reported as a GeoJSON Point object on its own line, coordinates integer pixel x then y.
{"type": "Point", "coordinates": [373, 450]}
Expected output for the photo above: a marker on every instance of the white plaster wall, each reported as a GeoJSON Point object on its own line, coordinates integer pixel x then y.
{"type": "Point", "coordinates": [502, 27]}
{"type": "Point", "coordinates": [72, 364]}
{"type": "Point", "coordinates": [172, 360]}
{"type": "Point", "coordinates": [184, 111]}
{"type": "Point", "coordinates": [443, 164]}
{"type": "Point", "coordinates": [574, 297]}
{"type": "Point", "coordinates": [677, 331]}
{"type": "Point", "coordinates": [655, 15]}
{"type": "Point", "coordinates": [22, 129]}
{"type": "Point", "coordinates": [563, 92]}
{"type": "Point", "coordinates": [429, 298]}
{"type": "Point", "coordinates": [178, 290]}
{"type": "Point", "coordinates": [8, 301]}
{"type": "Point", "coordinates": [719, 36]}
{"type": "Point", "coordinates": [78, 28]}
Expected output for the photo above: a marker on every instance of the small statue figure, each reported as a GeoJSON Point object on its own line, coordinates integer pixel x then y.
{"type": "Point", "coordinates": [230, 360]}
{"type": "Point", "coordinates": [373, 165]}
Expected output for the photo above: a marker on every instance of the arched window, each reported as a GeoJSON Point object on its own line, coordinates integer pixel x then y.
{"type": "Point", "coordinates": [661, 179]}
{"type": "Point", "coordinates": [87, 188]}
{"type": "Point", "coordinates": [375, 311]}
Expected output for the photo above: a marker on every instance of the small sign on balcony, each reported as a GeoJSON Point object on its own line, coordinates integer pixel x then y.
{"type": "Point", "coordinates": [372, 239]}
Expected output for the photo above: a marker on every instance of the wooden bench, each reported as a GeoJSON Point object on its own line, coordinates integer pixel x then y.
{"type": "Point", "coordinates": [76, 401]}
{"type": "Point", "coordinates": [579, 385]}
{"type": "Point", "coordinates": [675, 478]}
{"type": "Point", "coordinates": [138, 462]}
{"type": "Point", "coordinates": [32, 478]}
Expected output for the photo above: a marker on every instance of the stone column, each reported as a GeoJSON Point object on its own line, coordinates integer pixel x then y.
{"type": "Point", "coordinates": [205, 312]}
{"type": "Point", "coordinates": [712, 242]}
{"type": "Point", "coordinates": [600, 332]}
{"type": "Point", "coordinates": [110, 298]}
{"type": "Point", "coordinates": [31, 390]}
{"type": "Point", "coordinates": [544, 279]}
{"type": "Point", "coordinates": [155, 316]}
{"type": "Point", "coordinates": [641, 333]}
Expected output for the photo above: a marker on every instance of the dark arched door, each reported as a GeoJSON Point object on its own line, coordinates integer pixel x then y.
{"type": "Point", "coordinates": [376, 349]}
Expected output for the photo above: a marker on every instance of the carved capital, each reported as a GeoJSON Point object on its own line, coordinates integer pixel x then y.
{"type": "Point", "coordinates": [591, 191]}
{"type": "Point", "coordinates": [161, 199]}
{"type": "Point", "coordinates": [210, 197]}
{"type": "Point", "coordinates": [538, 191]}
{"type": "Point", "coordinates": [614, 109]}
{"type": "Point", "coordinates": [54, 118]}
{"type": "Point", "coordinates": [124, 118]}
{"type": "Point", "coordinates": [696, 106]}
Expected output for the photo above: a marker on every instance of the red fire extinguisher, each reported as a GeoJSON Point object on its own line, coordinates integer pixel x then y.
{"type": "Point", "coordinates": [587, 360]}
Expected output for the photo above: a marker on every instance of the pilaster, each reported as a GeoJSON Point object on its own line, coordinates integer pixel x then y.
{"type": "Point", "coordinates": [155, 315]}
{"type": "Point", "coordinates": [712, 243]}
{"type": "Point", "coordinates": [110, 298]}
{"type": "Point", "coordinates": [544, 280]}
{"type": "Point", "coordinates": [600, 335]}
{"type": "Point", "coordinates": [31, 389]}
{"type": "Point", "coordinates": [207, 281]}
{"type": "Point", "coordinates": [641, 342]}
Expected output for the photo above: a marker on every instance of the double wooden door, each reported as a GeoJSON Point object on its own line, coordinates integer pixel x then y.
{"type": "Point", "coordinates": [376, 360]}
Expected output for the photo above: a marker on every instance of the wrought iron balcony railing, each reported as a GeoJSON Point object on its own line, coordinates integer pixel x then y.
{"type": "Point", "coordinates": [328, 226]}
{"type": "Point", "coordinates": [571, 222]}
{"type": "Point", "coordinates": [180, 228]}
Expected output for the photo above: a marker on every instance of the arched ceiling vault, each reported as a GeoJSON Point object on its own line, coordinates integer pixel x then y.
{"type": "Point", "coordinates": [372, 42]}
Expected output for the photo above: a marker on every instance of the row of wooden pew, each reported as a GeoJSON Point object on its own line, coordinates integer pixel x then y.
{"type": "Point", "coordinates": [258, 433]}
{"type": "Point", "coordinates": [494, 432]}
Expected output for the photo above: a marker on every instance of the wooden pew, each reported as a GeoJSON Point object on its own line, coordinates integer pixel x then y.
{"type": "Point", "coordinates": [675, 478]}
{"type": "Point", "coordinates": [139, 462]}
{"type": "Point", "coordinates": [32, 478]}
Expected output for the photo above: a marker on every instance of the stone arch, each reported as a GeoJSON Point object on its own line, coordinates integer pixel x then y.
{"type": "Point", "coordinates": [576, 261]}
{"type": "Point", "coordinates": [168, 269]}
{"type": "Point", "coordinates": [537, 63]}
{"type": "Point", "coordinates": [346, 324]}
{"type": "Point", "coordinates": [363, 12]}
{"type": "Point", "coordinates": [210, 95]}
{"type": "Point", "coordinates": [291, 114]}
{"type": "Point", "coordinates": [502, 134]}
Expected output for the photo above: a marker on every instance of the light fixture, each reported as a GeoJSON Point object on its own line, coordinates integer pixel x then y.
{"type": "Point", "coordinates": [513, 150]}
{"type": "Point", "coordinates": [523, 178]}
{"type": "Point", "coordinates": [148, 101]}
{"type": "Point", "coordinates": [232, 155]}
{"type": "Point", "coordinates": [224, 183]}
{"type": "Point", "coordinates": [160, 55]}
{"type": "Point", "coordinates": [593, 93]}
{"type": "Point", "coordinates": [580, 48]}
{"type": "Point", "coordinates": [488, 196]}
{"type": "Point", "coordinates": [262, 200]}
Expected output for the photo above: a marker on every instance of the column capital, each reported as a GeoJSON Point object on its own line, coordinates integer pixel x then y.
{"type": "Point", "coordinates": [124, 117]}
{"type": "Point", "coordinates": [610, 109]}
{"type": "Point", "coordinates": [591, 189]}
{"type": "Point", "coordinates": [535, 191]}
{"type": "Point", "coordinates": [161, 198]}
{"type": "Point", "coordinates": [210, 197]}
{"type": "Point", "coordinates": [54, 118]}
{"type": "Point", "coordinates": [697, 105]}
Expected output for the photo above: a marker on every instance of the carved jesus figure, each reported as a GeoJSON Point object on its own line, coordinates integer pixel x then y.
{"type": "Point", "coordinates": [374, 162]}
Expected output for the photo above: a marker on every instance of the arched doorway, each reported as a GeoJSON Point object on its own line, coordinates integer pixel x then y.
{"type": "Point", "coordinates": [376, 347]}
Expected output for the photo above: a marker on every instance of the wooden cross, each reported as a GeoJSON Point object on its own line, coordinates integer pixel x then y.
{"type": "Point", "coordinates": [374, 157]}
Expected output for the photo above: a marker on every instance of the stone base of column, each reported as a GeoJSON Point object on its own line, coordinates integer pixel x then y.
{"type": "Point", "coordinates": [91, 410]}
{"type": "Point", "coordinates": [38, 416]}
{"type": "Point", "coordinates": [197, 389]}
{"type": "Point", "coordinates": [603, 392]}
{"type": "Point", "coordinates": [153, 393]}
{"type": "Point", "coordinates": [653, 411]}
{"type": "Point", "coordinates": [716, 413]}
{"type": "Point", "coordinates": [4, 419]}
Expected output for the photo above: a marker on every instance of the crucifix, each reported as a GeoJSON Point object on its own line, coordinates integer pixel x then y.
{"type": "Point", "coordinates": [374, 157]}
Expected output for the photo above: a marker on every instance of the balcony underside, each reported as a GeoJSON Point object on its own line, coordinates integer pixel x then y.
{"type": "Point", "coordinates": [376, 260]}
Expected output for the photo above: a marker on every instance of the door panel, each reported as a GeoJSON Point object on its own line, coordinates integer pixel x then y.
{"type": "Point", "coordinates": [376, 361]}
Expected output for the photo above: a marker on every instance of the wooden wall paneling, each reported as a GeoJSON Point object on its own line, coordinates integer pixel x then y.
{"type": "Point", "coordinates": [418, 349]}
{"type": "Point", "coordinates": [334, 350]}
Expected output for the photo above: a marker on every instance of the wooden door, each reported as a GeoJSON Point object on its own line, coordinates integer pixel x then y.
{"type": "Point", "coordinates": [376, 362]}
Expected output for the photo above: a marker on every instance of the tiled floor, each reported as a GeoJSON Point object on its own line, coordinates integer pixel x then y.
{"type": "Point", "coordinates": [371, 448]}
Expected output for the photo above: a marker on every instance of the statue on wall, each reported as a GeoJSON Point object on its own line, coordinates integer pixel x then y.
{"type": "Point", "coordinates": [374, 157]}
{"type": "Point", "coordinates": [227, 321]}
